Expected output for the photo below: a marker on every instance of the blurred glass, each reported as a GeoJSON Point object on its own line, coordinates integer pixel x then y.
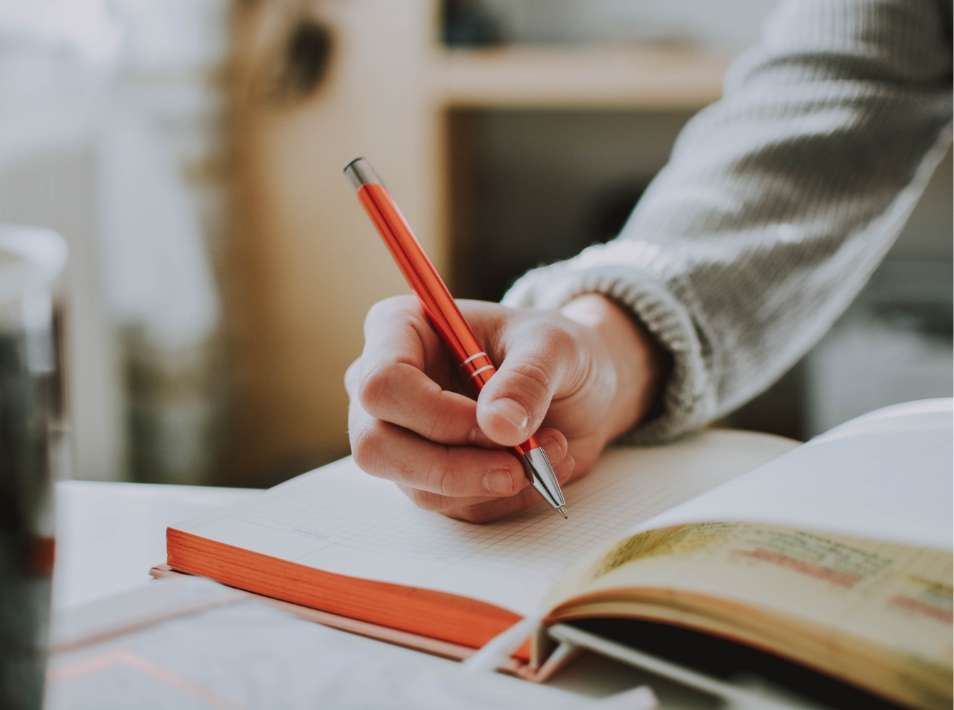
{"type": "Point", "coordinates": [111, 118]}
{"type": "Point", "coordinates": [31, 454]}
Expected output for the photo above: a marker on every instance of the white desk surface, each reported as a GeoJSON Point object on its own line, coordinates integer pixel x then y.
{"type": "Point", "coordinates": [108, 535]}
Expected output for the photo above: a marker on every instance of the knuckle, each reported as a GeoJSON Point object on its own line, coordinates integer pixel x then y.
{"type": "Point", "coordinates": [426, 426]}
{"type": "Point", "coordinates": [472, 514]}
{"type": "Point", "coordinates": [435, 425]}
{"type": "Point", "coordinates": [424, 500]}
{"type": "Point", "coordinates": [366, 447]}
{"type": "Point", "coordinates": [532, 377]}
{"type": "Point", "coordinates": [351, 377]}
{"type": "Point", "coordinates": [373, 389]}
{"type": "Point", "coordinates": [445, 474]}
{"type": "Point", "coordinates": [387, 308]}
{"type": "Point", "coordinates": [557, 341]}
{"type": "Point", "coordinates": [381, 309]}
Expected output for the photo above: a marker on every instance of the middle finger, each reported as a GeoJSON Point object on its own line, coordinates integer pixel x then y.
{"type": "Point", "coordinates": [389, 451]}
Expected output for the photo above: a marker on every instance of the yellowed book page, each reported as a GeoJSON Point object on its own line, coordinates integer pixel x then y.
{"type": "Point", "coordinates": [821, 596]}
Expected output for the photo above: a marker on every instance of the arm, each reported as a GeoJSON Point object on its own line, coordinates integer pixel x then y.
{"type": "Point", "coordinates": [778, 202]}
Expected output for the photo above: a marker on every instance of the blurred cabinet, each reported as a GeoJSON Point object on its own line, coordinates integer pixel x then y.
{"type": "Point", "coordinates": [304, 264]}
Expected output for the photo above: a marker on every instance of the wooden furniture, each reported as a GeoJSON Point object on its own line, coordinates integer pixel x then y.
{"type": "Point", "coordinates": [303, 263]}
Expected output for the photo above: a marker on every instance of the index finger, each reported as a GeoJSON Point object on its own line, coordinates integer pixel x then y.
{"type": "Point", "coordinates": [393, 382]}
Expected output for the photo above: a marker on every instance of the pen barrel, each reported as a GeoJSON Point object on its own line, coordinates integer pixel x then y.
{"type": "Point", "coordinates": [478, 369]}
{"type": "Point", "coordinates": [422, 277]}
{"type": "Point", "coordinates": [442, 310]}
{"type": "Point", "coordinates": [420, 274]}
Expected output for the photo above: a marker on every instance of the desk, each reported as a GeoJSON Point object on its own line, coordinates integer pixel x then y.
{"type": "Point", "coordinates": [110, 534]}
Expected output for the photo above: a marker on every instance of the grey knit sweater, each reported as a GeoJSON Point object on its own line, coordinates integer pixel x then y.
{"type": "Point", "coordinates": [778, 202]}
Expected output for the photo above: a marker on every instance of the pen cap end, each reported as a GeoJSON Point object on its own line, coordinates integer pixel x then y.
{"type": "Point", "coordinates": [360, 173]}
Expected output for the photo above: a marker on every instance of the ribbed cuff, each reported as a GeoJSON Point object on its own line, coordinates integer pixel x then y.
{"type": "Point", "coordinates": [687, 400]}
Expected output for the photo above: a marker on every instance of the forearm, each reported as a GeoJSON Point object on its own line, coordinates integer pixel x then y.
{"type": "Point", "coordinates": [778, 202]}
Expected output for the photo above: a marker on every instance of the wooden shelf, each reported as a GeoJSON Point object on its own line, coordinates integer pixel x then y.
{"type": "Point", "coordinates": [304, 263]}
{"type": "Point", "coordinates": [585, 77]}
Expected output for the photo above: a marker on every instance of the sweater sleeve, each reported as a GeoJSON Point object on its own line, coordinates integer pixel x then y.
{"type": "Point", "coordinates": [778, 201]}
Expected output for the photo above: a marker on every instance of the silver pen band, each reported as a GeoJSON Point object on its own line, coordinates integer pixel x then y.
{"type": "Point", "coordinates": [474, 357]}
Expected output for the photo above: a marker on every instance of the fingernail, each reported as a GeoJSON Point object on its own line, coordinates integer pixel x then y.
{"type": "Point", "coordinates": [478, 438]}
{"type": "Point", "coordinates": [553, 447]}
{"type": "Point", "coordinates": [498, 482]}
{"type": "Point", "coordinates": [565, 469]}
{"type": "Point", "coordinates": [512, 411]}
{"type": "Point", "coordinates": [549, 444]}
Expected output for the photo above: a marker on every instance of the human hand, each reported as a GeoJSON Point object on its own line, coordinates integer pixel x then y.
{"type": "Point", "coordinates": [577, 378]}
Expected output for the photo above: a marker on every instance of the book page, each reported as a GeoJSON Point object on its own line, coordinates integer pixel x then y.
{"type": "Point", "coordinates": [886, 476]}
{"type": "Point", "coordinates": [875, 612]}
{"type": "Point", "coordinates": [896, 595]}
{"type": "Point", "coordinates": [341, 520]}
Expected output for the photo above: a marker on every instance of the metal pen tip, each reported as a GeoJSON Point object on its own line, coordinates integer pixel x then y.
{"type": "Point", "coordinates": [538, 470]}
{"type": "Point", "coordinates": [562, 510]}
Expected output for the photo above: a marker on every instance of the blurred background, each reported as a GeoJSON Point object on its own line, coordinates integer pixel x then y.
{"type": "Point", "coordinates": [191, 151]}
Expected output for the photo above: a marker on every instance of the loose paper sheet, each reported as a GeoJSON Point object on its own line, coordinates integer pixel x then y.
{"type": "Point", "coordinates": [248, 655]}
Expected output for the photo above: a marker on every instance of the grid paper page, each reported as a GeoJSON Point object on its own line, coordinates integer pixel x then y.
{"type": "Point", "coordinates": [341, 520]}
{"type": "Point", "coordinates": [883, 476]}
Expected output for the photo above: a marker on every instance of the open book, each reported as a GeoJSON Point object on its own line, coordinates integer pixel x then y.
{"type": "Point", "coordinates": [835, 554]}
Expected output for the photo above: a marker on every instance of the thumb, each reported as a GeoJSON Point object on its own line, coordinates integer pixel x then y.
{"type": "Point", "coordinates": [513, 404]}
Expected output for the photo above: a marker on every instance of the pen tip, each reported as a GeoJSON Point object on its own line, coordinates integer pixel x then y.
{"type": "Point", "coordinates": [563, 512]}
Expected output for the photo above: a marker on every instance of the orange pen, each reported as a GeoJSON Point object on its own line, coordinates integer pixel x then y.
{"type": "Point", "coordinates": [443, 313]}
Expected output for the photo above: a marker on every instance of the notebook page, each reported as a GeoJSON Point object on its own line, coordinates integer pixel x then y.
{"type": "Point", "coordinates": [341, 520]}
{"type": "Point", "coordinates": [886, 476]}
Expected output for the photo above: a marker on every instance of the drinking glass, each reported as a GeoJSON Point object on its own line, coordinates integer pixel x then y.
{"type": "Point", "coordinates": [31, 454]}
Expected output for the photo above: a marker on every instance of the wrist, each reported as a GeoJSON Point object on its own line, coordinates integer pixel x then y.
{"type": "Point", "coordinates": [638, 361]}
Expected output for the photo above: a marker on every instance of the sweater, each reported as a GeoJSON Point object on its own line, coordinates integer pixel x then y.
{"type": "Point", "coordinates": [778, 202]}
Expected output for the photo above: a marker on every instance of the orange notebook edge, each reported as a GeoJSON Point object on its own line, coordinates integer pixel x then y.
{"type": "Point", "coordinates": [404, 616]}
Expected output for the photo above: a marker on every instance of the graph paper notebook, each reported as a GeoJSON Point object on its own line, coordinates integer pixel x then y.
{"type": "Point", "coordinates": [835, 554]}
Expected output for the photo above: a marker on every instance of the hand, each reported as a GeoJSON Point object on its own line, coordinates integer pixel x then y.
{"type": "Point", "coordinates": [577, 378]}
